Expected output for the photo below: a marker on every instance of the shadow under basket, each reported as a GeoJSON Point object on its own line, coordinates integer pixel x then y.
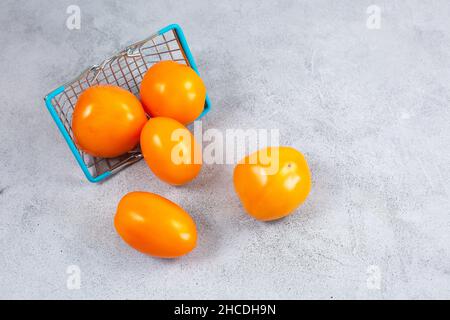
{"type": "Point", "coordinates": [125, 69]}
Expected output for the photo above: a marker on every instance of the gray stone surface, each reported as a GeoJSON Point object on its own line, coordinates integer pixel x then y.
{"type": "Point", "coordinates": [369, 109]}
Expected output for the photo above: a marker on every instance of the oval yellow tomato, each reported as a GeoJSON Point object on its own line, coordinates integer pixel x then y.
{"type": "Point", "coordinates": [170, 150]}
{"type": "Point", "coordinates": [107, 121]}
{"type": "Point", "coordinates": [272, 182]}
{"type": "Point", "coordinates": [154, 225]}
{"type": "Point", "coordinates": [173, 90]}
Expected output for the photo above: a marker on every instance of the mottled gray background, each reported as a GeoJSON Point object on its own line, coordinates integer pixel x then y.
{"type": "Point", "coordinates": [369, 109]}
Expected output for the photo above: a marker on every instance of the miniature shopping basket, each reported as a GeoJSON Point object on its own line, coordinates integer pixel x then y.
{"type": "Point", "coordinates": [125, 69]}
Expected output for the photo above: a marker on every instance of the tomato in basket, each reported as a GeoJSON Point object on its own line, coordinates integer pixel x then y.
{"type": "Point", "coordinates": [173, 90]}
{"type": "Point", "coordinates": [107, 121]}
{"type": "Point", "coordinates": [171, 151]}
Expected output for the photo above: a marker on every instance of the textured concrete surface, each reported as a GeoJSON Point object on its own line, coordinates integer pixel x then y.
{"type": "Point", "coordinates": [369, 108]}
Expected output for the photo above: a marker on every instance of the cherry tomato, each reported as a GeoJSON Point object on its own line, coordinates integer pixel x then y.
{"type": "Point", "coordinates": [170, 150]}
{"type": "Point", "coordinates": [272, 182]}
{"type": "Point", "coordinates": [107, 121]}
{"type": "Point", "coordinates": [155, 225]}
{"type": "Point", "coordinates": [173, 90]}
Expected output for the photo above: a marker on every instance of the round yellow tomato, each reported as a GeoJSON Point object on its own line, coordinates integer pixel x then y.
{"type": "Point", "coordinates": [173, 90]}
{"type": "Point", "coordinates": [170, 150]}
{"type": "Point", "coordinates": [154, 225]}
{"type": "Point", "coordinates": [107, 121]}
{"type": "Point", "coordinates": [272, 182]}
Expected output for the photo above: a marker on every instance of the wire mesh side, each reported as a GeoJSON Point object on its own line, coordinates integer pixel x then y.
{"type": "Point", "coordinates": [125, 70]}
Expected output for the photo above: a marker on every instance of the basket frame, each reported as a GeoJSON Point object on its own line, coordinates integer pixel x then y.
{"type": "Point", "coordinates": [134, 156]}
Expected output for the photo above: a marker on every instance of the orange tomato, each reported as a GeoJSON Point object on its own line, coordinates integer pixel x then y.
{"type": "Point", "coordinates": [154, 225]}
{"type": "Point", "coordinates": [173, 90]}
{"type": "Point", "coordinates": [170, 150]}
{"type": "Point", "coordinates": [272, 182]}
{"type": "Point", "coordinates": [107, 121]}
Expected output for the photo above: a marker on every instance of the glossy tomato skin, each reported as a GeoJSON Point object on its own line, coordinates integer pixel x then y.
{"type": "Point", "coordinates": [171, 151]}
{"type": "Point", "coordinates": [155, 225]}
{"type": "Point", "coordinates": [107, 121]}
{"type": "Point", "coordinates": [173, 90]}
{"type": "Point", "coordinates": [269, 191]}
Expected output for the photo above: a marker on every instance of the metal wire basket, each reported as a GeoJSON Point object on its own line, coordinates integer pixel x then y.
{"type": "Point", "coordinates": [125, 69]}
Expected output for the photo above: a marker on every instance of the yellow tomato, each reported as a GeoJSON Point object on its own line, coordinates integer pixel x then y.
{"type": "Point", "coordinates": [154, 225]}
{"type": "Point", "coordinates": [170, 150]}
{"type": "Point", "coordinates": [173, 90]}
{"type": "Point", "coordinates": [272, 182]}
{"type": "Point", "coordinates": [107, 121]}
